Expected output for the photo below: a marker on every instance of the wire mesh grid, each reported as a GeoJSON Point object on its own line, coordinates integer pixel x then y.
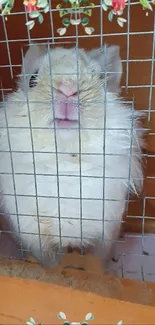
{"type": "Point", "coordinates": [16, 173]}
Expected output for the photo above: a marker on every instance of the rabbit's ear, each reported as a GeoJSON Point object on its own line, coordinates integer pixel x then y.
{"type": "Point", "coordinates": [31, 64]}
{"type": "Point", "coordinates": [110, 62]}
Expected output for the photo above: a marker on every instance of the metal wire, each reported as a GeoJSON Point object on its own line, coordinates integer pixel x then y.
{"type": "Point", "coordinates": [79, 154]}
{"type": "Point", "coordinates": [56, 149]}
{"type": "Point", "coordinates": [51, 172]}
{"type": "Point", "coordinates": [12, 169]}
{"type": "Point", "coordinates": [34, 164]}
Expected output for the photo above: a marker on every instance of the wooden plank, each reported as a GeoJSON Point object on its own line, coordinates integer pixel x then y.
{"type": "Point", "coordinates": [102, 285]}
{"type": "Point", "coordinates": [23, 299]}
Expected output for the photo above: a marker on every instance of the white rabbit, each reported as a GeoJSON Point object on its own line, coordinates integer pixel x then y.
{"type": "Point", "coordinates": [106, 155]}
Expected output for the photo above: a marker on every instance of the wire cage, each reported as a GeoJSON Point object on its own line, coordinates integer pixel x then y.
{"type": "Point", "coordinates": [29, 180]}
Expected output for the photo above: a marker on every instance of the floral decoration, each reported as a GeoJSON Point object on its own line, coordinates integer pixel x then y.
{"type": "Point", "coordinates": [75, 12]}
{"type": "Point", "coordinates": [34, 8]}
{"type": "Point", "coordinates": [72, 12]}
{"type": "Point", "coordinates": [62, 316]}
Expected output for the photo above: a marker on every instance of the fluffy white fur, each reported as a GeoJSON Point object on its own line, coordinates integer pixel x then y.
{"type": "Point", "coordinates": [95, 113]}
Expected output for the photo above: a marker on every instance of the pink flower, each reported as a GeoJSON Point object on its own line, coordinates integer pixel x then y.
{"type": "Point", "coordinates": [118, 5]}
{"type": "Point", "coordinates": [31, 8]}
{"type": "Point", "coordinates": [31, 5]}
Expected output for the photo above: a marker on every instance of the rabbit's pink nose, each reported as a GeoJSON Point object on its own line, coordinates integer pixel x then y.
{"type": "Point", "coordinates": [68, 89]}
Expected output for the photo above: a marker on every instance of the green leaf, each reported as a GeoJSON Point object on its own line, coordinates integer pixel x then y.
{"type": "Point", "coordinates": [58, 6]}
{"type": "Point", "coordinates": [66, 21]}
{"type": "Point", "coordinates": [6, 11]}
{"type": "Point", "coordinates": [104, 6]}
{"type": "Point", "coordinates": [63, 13]}
{"type": "Point", "coordinates": [108, 2]}
{"type": "Point", "coordinates": [89, 30]}
{"type": "Point", "coordinates": [145, 4]}
{"type": "Point", "coordinates": [92, 4]}
{"type": "Point", "coordinates": [32, 320]}
{"type": "Point", "coordinates": [84, 21]}
{"type": "Point", "coordinates": [61, 31]}
{"type": "Point", "coordinates": [40, 18]}
{"type": "Point", "coordinates": [9, 4]}
{"type": "Point", "coordinates": [119, 12]}
{"type": "Point", "coordinates": [30, 24]}
{"type": "Point", "coordinates": [46, 9]}
{"type": "Point", "coordinates": [61, 315]}
{"type": "Point", "coordinates": [111, 15]}
{"type": "Point", "coordinates": [121, 21]}
{"type": "Point", "coordinates": [42, 3]}
{"type": "Point", "coordinates": [3, 2]}
{"type": "Point", "coordinates": [34, 14]}
{"type": "Point", "coordinates": [88, 12]}
{"type": "Point", "coordinates": [7, 7]}
{"type": "Point", "coordinates": [89, 316]}
{"type": "Point", "coordinates": [75, 5]}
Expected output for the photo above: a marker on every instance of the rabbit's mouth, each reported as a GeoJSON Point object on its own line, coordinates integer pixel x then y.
{"type": "Point", "coordinates": [66, 123]}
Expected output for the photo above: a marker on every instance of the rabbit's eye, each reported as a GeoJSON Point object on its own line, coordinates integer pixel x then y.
{"type": "Point", "coordinates": [33, 80]}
